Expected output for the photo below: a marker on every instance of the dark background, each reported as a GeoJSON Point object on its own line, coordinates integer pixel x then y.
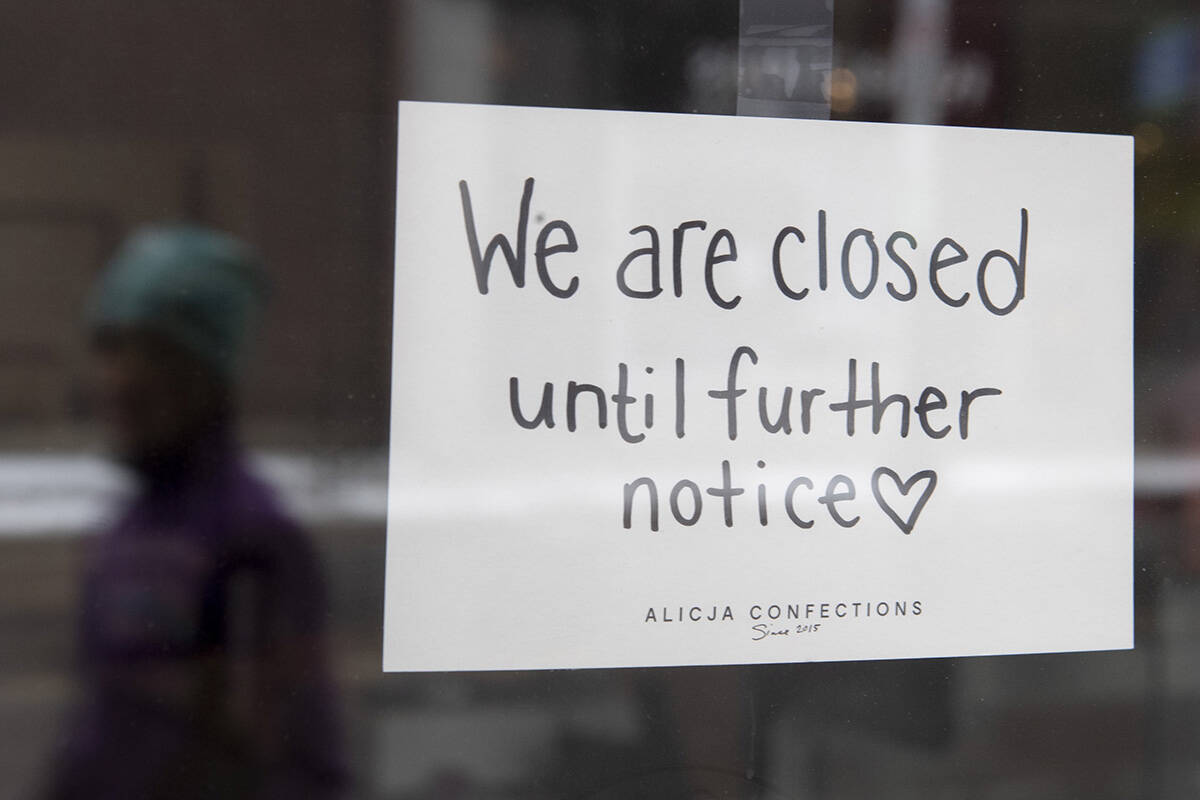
{"type": "Point", "coordinates": [275, 120]}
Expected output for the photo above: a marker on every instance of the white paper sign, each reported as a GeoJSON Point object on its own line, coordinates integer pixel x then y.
{"type": "Point", "coordinates": [675, 389]}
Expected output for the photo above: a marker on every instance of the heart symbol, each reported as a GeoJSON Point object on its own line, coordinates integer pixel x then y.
{"type": "Point", "coordinates": [905, 525]}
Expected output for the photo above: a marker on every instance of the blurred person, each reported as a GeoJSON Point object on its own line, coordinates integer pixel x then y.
{"type": "Point", "coordinates": [201, 629]}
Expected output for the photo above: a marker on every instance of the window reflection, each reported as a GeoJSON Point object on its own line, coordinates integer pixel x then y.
{"type": "Point", "coordinates": [274, 121]}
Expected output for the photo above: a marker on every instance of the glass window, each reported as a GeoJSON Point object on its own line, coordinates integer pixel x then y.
{"type": "Point", "coordinates": [193, 492]}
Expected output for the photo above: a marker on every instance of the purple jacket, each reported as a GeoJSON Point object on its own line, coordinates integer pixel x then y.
{"type": "Point", "coordinates": [202, 649]}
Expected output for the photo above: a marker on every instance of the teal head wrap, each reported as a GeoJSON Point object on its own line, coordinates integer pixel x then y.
{"type": "Point", "coordinates": [199, 288]}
